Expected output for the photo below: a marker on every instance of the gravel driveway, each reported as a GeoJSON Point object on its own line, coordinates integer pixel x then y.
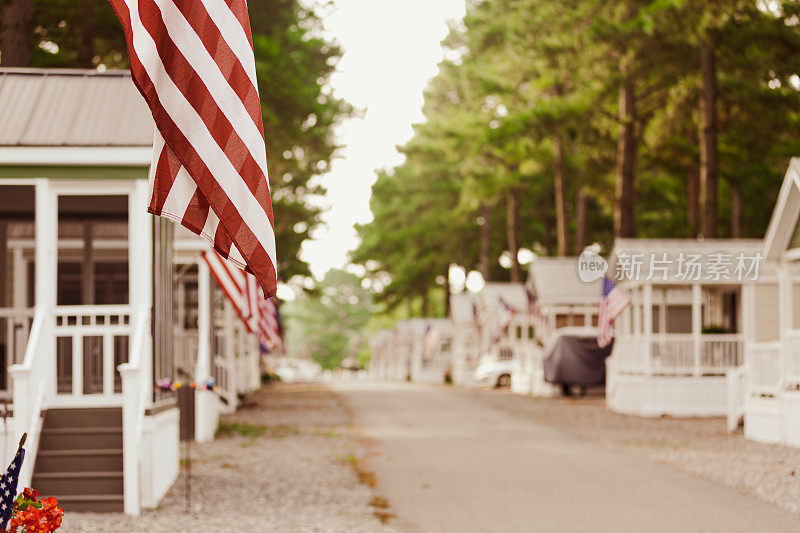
{"type": "Point", "coordinates": [287, 461]}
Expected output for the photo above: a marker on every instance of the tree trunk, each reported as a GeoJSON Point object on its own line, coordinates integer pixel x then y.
{"type": "Point", "coordinates": [692, 200]}
{"type": "Point", "coordinates": [736, 211]}
{"type": "Point", "coordinates": [486, 242]}
{"type": "Point", "coordinates": [447, 294]}
{"type": "Point", "coordinates": [512, 232]}
{"type": "Point", "coordinates": [558, 186]}
{"type": "Point", "coordinates": [709, 158]}
{"type": "Point", "coordinates": [86, 35]}
{"type": "Point", "coordinates": [424, 311]}
{"type": "Point", "coordinates": [580, 220]}
{"type": "Point", "coordinates": [626, 160]}
{"type": "Point", "coordinates": [16, 34]}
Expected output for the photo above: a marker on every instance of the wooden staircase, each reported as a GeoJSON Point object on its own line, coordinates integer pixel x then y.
{"type": "Point", "coordinates": [79, 460]}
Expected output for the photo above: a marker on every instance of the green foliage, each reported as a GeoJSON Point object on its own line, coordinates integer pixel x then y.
{"type": "Point", "coordinates": [328, 323]}
{"type": "Point", "coordinates": [520, 75]}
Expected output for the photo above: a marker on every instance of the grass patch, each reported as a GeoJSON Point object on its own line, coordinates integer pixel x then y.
{"type": "Point", "coordinates": [364, 475]}
{"type": "Point", "coordinates": [381, 506]}
{"type": "Point", "coordinates": [331, 434]}
{"type": "Point", "coordinates": [379, 502]}
{"type": "Point", "coordinates": [226, 429]}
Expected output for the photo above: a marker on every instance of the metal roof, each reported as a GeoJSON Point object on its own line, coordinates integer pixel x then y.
{"type": "Point", "coordinates": [61, 107]}
{"type": "Point", "coordinates": [554, 280]}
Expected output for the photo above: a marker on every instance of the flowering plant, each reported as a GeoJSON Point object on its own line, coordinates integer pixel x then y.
{"type": "Point", "coordinates": [167, 384]}
{"type": "Point", "coordinates": [34, 515]}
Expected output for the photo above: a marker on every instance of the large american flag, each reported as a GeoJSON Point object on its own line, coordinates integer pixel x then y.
{"type": "Point", "coordinates": [8, 487]}
{"type": "Point", "coordinates": [193, 62]}
{"type": "Point", "coordinates": [614, 301]}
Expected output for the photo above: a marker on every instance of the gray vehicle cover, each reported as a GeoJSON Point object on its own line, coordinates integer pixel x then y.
{"type": "Point", "coordinates": [575, 360]}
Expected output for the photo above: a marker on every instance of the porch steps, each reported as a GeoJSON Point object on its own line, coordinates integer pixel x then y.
{"type": "Point", "coordinates": [79, 460]}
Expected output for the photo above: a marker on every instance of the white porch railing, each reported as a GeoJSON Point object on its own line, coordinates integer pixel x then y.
{"type": "Point", "coordinates": [764, 368]}
{"type": "Point", "coordinates": [791, 362]}
{"type": "Point", "coordinates": [17, 324]}
{"type": "Point", "coordinates": [83, 331]}
{"type": "Point", "coordinates": [224, 374]}
{"type": "Point", "coordinates": [29, 384]}
{"type": "Point", "coordinates": [137, 386]}
{"type": "Point", "coordinates": [186, 351]}
{"type": "Point", "coordinates": [679, 354]}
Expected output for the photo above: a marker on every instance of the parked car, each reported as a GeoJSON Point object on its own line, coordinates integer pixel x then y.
{"type": "Point", "coordinates": [297, 370]}
{"type": "Point", "coordinates": [573, 360]}
{"type": "Point", "coordinates": [496, 374]}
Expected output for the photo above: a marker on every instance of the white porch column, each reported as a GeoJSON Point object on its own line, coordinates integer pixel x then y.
{"type": "Point", "coordinates": [140, 265]}
{"type": "Point", "coordinates": [648, 327]}
{"type": "Point", "coordinates": [784, 320]}
{"type": "Point", "coordinates": [206, 414]}
{"type": "Point", "coordinates": [697, 324]}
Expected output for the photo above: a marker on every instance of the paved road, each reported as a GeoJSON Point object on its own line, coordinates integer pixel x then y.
{"type": "Point", "coordinates": [448, 462]}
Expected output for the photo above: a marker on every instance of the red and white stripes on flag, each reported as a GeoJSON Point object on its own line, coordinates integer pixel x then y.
{"type": "Point", "coordinates": [269, 330]}
{"type": "Point", "coordinates": [234, 283]}
{"type": "Point", "coordinates": [614, 302]}
{"type": "Point", "coordinates": [193, 62]}
{"type": "Point", "coordinates": [259, 314]}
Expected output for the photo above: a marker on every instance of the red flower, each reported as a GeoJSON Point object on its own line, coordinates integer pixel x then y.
{"type": "Point", "coordinates": [30, 494]}
{"type": "Point", "coordinates": [43, 516]}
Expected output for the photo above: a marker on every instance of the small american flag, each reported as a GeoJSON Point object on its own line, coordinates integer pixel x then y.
{"type": "Point", "coordinates": [476, 321]}
{"type": "Point", "coordinates": [8, 486]}
{"type": "Point", "coordinates": [431, 341]}
{"type": "Point", "coordinates": [535, 316]}
{"type": "Point", "coordinates": [506, 316]}
{"type": "Point", "coordinates": [193, 63]}
{"type": "Point", "coordinates": [233, 282]}
{"type": "Point", "coordinates": [269, 326]}
{"type": "Point", "coordinates": [614, 301]}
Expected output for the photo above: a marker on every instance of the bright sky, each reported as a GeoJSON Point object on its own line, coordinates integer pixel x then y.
{"type": "Point", "coordinates": [392, 48]}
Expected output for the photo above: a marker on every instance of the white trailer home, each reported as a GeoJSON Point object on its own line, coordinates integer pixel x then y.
{"type": "Point", "coordinates": [562, 300]}
{"type": "Point", "coordinates": [86, 291]}
{"type": "Point", "coordinates": [685, 328]}
{"type": "Point", "coordinates": [771, 376]}
{"type": "Point", "coordinates": [87, 309]}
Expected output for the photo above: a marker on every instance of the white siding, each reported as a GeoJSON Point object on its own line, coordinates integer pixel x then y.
{"type": "Point", "coordinates": [765, 305]}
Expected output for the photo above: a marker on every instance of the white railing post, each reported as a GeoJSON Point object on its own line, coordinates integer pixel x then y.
{"type": "Point", "coordinates": [130, 446]}
{"type": "Point", "coordinates": [28, 381]}
{"type": "Point", "coordinates": [648, 328]}
{"type": "Point", "coordinates": [136, 377]}
{"type": "Point", "coordinates": [697, 325]}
